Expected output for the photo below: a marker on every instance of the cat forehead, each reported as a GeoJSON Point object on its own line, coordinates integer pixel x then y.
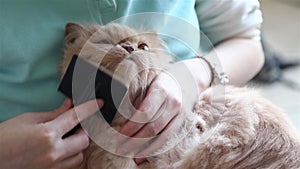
{"type": "Point", "coordinates": [123, 33]}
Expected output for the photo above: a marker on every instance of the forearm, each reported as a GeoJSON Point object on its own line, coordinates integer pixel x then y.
{"type": "Point", "coordinates": [240, 58]}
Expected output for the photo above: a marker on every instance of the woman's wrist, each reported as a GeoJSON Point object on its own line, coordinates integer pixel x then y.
{"type": "Point", "coordinates": [201, 72]}
{"type": "Point", "coordinates": [217, 74]}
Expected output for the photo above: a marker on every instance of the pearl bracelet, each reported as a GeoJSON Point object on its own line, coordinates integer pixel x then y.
{"type": "Point", "coordinates": [217, 77]}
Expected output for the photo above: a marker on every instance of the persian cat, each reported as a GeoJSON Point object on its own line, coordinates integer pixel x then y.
{"type": "Point", "coordinates": [241, 130]}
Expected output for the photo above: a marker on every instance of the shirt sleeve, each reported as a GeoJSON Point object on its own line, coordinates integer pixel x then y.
{"type": "Point", "coordinates": [223, 19]}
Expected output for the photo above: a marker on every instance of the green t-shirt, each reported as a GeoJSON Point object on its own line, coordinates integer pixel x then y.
{"type": "Point", "coordinates": [32, 33]}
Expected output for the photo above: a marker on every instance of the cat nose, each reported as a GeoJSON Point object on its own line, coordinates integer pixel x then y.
{"type": "Point", "coordinates": [128, 48]}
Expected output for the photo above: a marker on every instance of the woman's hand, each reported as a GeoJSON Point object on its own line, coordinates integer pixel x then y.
{"type": "Point", "coordinates": [34, 140]}
{"type": "Point", "coordinates": [157, 113]}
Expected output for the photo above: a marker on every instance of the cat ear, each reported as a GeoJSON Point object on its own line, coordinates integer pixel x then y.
{"type": "Point", "coordinates": [72, 27]}
{"type": "Point", "coordinates": [72, 31]}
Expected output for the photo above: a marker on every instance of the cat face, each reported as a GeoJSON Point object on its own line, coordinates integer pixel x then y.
{"type": "Point", "coordinates": [133, 57]}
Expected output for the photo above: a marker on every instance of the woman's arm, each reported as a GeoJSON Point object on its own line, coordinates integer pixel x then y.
{"type": "Point", "coordinates": [234, 29]}
{"type": "Point", "coordinates": [240, 58]}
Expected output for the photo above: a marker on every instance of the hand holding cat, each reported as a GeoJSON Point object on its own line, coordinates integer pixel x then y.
{"type": "Point", "coordinates": [158, 111]}
{"type": "Point", "coordinates": [34, 140]}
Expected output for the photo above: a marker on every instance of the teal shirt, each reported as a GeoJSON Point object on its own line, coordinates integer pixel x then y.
{"type": "Point", "coordinates": [32, 33]}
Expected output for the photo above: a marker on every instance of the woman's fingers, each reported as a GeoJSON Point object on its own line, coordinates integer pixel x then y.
{"type": "Point", "coordinates": [158, 110]}
{"type": "Point", "coordinates": [165, 113]}
{"type": "Point", "coordinates": [158, 143]}
{"type": "Point", "coordinates": [148, 108]}
{"type": "Point", "coordinates": [67, 104]}
{"type": "Point", "coordinates": [68, 120]}
{"type": "Point", "coordinates": [74, 144]}
{"type": "Point", "coordinates": [71, 162]}
{"type": "Point", "coordinates": [68, 147]}
{"type": "Point", "coordinates": [48, 116]}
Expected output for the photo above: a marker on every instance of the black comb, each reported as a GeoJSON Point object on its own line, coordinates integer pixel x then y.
{"type": "Point", "coordinates": [89, 83]}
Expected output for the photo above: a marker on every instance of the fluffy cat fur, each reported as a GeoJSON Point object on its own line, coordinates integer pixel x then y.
{"type": "Point", "coordinates": [240, 130]}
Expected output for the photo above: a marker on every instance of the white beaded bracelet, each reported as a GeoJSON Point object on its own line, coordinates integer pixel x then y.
{"type": "Point", "coordinates": [217, 77]}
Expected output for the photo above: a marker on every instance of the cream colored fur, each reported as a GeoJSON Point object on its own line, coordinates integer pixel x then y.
{"type": "Point", "coordinates": [238, 129]}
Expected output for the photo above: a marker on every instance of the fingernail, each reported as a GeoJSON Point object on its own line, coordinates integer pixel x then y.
{"type": "Point", "coordinates": [67, 103]}
{"type": "Point", "coordinates": [121, 137]}
{"type": "Point", "coordinates": [100, 102]}
{"type": "Point", "coordinates": [139, 160]}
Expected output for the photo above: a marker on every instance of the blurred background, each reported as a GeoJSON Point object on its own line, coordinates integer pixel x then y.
{"type": "Point", "coordinates": [281, 35]}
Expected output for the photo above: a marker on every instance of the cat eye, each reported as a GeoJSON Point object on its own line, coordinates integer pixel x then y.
{"type": "Point", "coordinates": [143, 46]}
